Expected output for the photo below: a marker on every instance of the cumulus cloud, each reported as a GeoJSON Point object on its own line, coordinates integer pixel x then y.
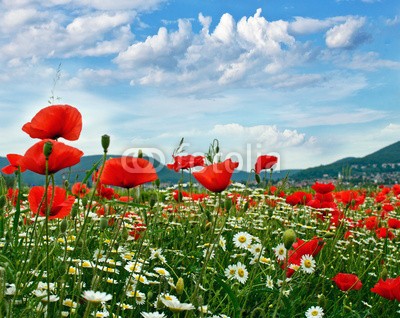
{"type": "Point", "coordinates": [346, 35]}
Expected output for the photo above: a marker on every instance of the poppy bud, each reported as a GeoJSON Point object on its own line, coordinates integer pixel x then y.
{"type": "Point", "coordinates": [180, 286]}
{"type": "Point", "coordinates": [157, 182]}
{"type": "Point", "coordinates": [2, 202]}
{"type": "Point", "coordinates": [289, 236]}
{"type": "Point", "coordinates": [384, 273]}
{"type": "Point", "coordinates": [140, 153]}
{"type": "Point", "coordinates": [74, 211]}
{"type": "Point", "coordinates": [66, 184]}
{"type": "Point", "coordinates": [257, 177]}
{"type": "Point", "coordinates": [64, 225]}
{"type": "Point", "coordinates": [47, 149]}
{"type": "Point", "coordinates": [322, 301]}
{"type": "Point", "coordinates": [105, 142]}
{"type": "Point", "coordinates": [103, 224]}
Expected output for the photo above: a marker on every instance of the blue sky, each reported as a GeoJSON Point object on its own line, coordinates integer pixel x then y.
{"type": "Point", "coordinates": [310, 81]}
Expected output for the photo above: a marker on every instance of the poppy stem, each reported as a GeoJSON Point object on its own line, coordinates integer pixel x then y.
{"type": "Point", "coordinates": [17, 207]}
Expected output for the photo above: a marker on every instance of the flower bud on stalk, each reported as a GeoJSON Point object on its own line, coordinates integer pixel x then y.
{"type": "Point", "coordinates": [180, 286]}
{"type": "Point", "coordinates": [105, 142]}
{"type": "Point", "coordinates": [47, 149]}
{"type": "Point", "coordinates": [289, 236]}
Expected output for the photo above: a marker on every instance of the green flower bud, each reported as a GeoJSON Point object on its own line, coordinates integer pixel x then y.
{"type": "Point", "coordinates": [257, 177]}
{"type": "Point", "coordinates": [157, 183]}
{"type": "Point", "coordinates": [140, 153]}
{"type": "Point", "coordinates": [64, 225]}
{"type": "Point", "coordinates": [180, 286]}
{"type": "Point", "coordinates": [289, 236]}
{"type": "Point", "coordinates": [384, 273]}
{"type": "Point", "coordinates": [47, 149]}
{"type": "Point", "coordinates": [103, 224]}
{"type": "Point", "coordinates": [105, 142]}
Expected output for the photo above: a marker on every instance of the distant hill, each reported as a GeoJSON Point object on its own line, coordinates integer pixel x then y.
{"type": "Point", "coordinates": [78, 172]}
{"type": "Point", "coordinates": [385, 160]}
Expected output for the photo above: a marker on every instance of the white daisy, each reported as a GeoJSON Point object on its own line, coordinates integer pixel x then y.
{"type": "Point", "coordinates": [230, 271]}
{"type": "Point", "coordinates": [96, 296]}
{"type": "Point", "coordinates": [153, 315]}
{"type": "Point", "coordinates": [270, 282]}
{"type": "Point", "coordinates": [241, 273]}
{"type": "Point", "coordinates": [161, 271]}
{"type": "Point", "coordinates": [280, 251]}
{"type": "Point", "coordinates": [242, 240]}
{"type": "Point", "coordinates": [315, 312]}
{"type": "Point", "coordinates": [307, 264]}
{"type": "Point", "coordinates": [176, 305]}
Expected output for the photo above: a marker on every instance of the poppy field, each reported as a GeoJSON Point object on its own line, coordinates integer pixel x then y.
{"type": "Point", "coordinates": [118, 244]}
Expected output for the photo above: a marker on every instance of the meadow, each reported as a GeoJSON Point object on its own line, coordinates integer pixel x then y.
{"type": "Point", "coordinates": [116, 244]}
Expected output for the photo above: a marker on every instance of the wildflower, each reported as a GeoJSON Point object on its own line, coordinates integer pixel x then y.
{"type": "Point", "coordinates": [176, 305]}
{"type": "Point", "coordinates": [307, 264]}
{"type": "Point", "coordinates": [241, 273]}
{"type": "Point", "coordinates": [62, 156]}
{"type": "Point", "coordinates": [14, 165]}
{"type": "Point", "coordinates": [389, 288]}
{"type": "Point", "coordinates": [315, 312]}
{"type": "Point", "coordinates": [216, 177]}
{"type": "Point", "coordinates": [265, 162]}
{"type": "Point", "coordinates": [270, 282]}
{"type": "Point", "coordinates": [347, 282]}
{"type": "Point", "coordinates": [70, 303]}
{"type": "Point", "coordinates": [242, 240]}
{"type": "Point", "coordinates": [128, 172]}
{"type": "Point", "coordinates": [55, 121]}
{"type": "Point", "coordinates": [96, 296]}
{"type": "Point", "coordinates": [161, 271]}
{"type": "Point", "coordinates": [58, 204]}
{"type": "Point", "coordinates": [280, 252]}
{"type": "Point", "coordinates": [140, 297]}
{"type": "Point", "coordinates": [186, 162]}
{"type": "Point", "coordinates": [152, 315]}
{"type": "Point", "coordinates": [230, 271]}
{"type": "Point", "coordinates": [80, 190]}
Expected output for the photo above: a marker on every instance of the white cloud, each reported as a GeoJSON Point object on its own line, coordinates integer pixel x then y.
{"type": "Point", "coordinates": [346, 35]}
{"type": "Point", "coordinates": [303, 25]}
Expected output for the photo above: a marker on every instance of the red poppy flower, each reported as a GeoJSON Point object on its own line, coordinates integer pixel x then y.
{"type": "Point", "coordinates": [216, 177]}
{"type": "Point", "coordinates": [186, 162]}
{"type": "Point", "coordinates": [265, 162]}
{"type": "Point", "coordinates": [62, 156]}
{"type": "Point", "coordinates": [323, 188]}
{"type": "Point", "coordinates": [79, 189]}
{"type": "Point", "coordinates": [14, 160]}
{"type": "Point", "coordinates": [394, 223]}
{"type": "Point", "coordinates": [12, 195]}
{"type": "Point", "coordinates": [312, 247]}
{"type": "Point", "coordinates": [371, 223]}
{"type": "Point", "coordinates": [183, 194]}
{"type": "Point", "coordinates": [347, 282]}
{"type": "Point", "coordinates": [128, 172]}
{"type": "Point", "coordinates": [384, 233]}
{"type": "Point", "coordinates": [389, 288]}
{"type": "Point", "coordinates": [55, 121]}
{"type": "Point", "coordinates": [299, 197]}
{"type": "Point", "coordinates": [61, 205]}
{"type": "Point", "coordinates": [138, 228]}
